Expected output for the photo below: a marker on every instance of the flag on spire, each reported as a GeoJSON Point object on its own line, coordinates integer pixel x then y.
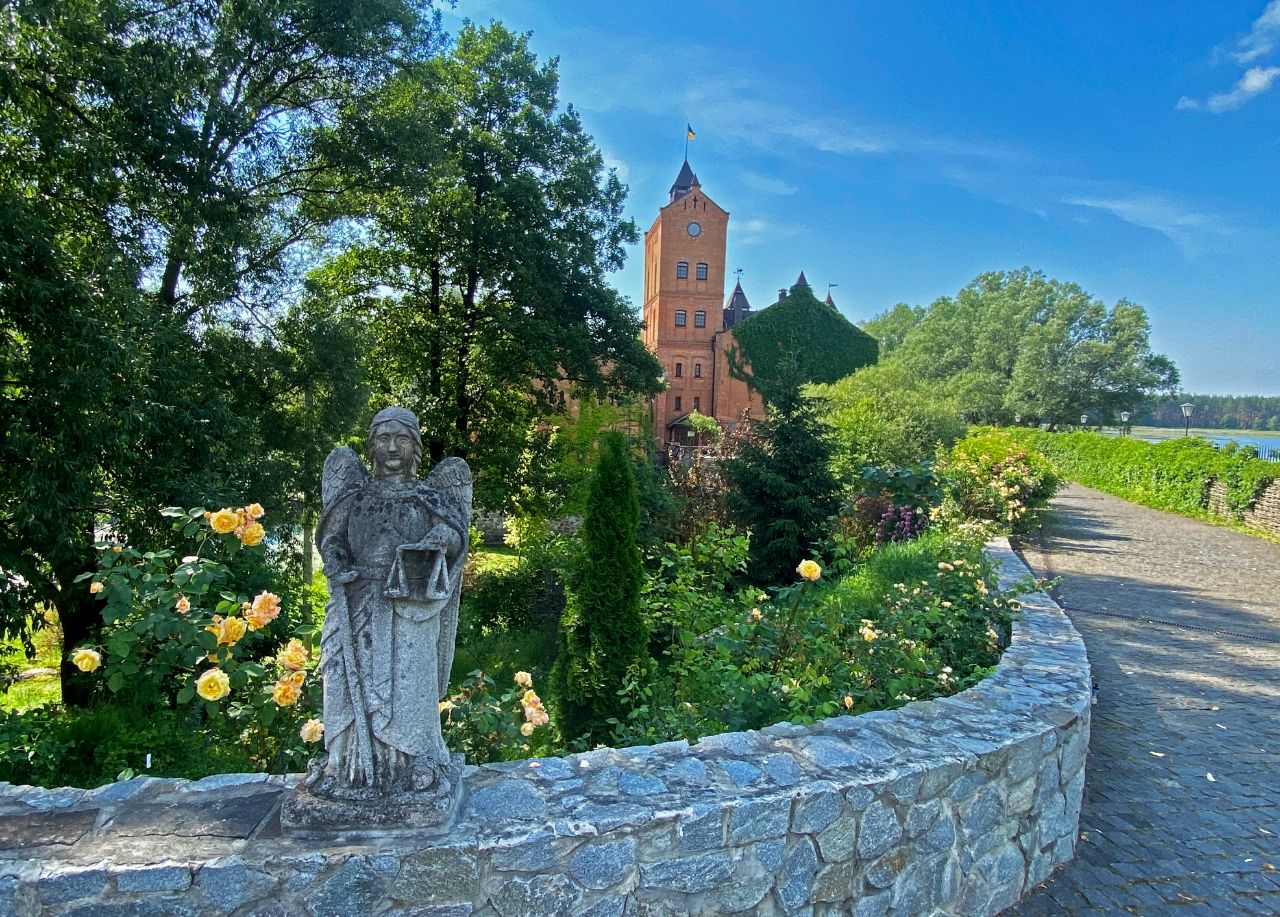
{"type": "Point", "coordinates": [688, 131]}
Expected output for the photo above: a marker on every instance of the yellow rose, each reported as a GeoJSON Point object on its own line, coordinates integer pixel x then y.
{"type": "Point", "coordinates": [263, 611]}
{"type": "Point", "coordinates": [524, 679]}
{"type": "Point", "coordinates": [255, 511]}
{"type": "Point", "coordinates": [85, 659]}
{"type": "Point", "coordinates": [253, 534]}
{"type": "Point", "coordinates": [213, 685]}
{"type": "Point", "coordinates": [526, 729]}
{"type": "Point", "coordinates": [95, 587]}
{"type": "Point", "coordinates": [116, 549]}
{"type": "Point", "coordinates": [809, 570]}
{"type": "Point", "coordinates": [312, 731]}
{"type": "Point", "coordinates": [286, 692]}
{"type": "Point", "coordinates": [223, 521]}
{"type": "Point", "coordinates": [228, 630]}
{"type": "Point", "coordinates": [293, 656]}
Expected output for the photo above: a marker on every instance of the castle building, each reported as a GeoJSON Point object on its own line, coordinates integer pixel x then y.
{"type": "Point", "coordinates": [688, 322]}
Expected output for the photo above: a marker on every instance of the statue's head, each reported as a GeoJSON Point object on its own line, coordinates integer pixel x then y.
{"type": "Point", "coordinates": [395, 444]}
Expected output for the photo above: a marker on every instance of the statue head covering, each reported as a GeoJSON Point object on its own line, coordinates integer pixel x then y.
{"type": "Point", "coordinates": [399, 415]}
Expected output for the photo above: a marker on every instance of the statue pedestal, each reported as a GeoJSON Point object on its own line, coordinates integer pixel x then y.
{"type": "Point", "coordinates": [319, 805]}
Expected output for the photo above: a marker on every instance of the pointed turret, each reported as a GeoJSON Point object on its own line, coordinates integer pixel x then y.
{"type": "Point", "coordinates": [736, 308]}
{"type": "Point", "coordinates": [829, 301]}
{"type": "Point", "coordinates": [684, 182]}
{"type": "Point", "coordinates": [802, 281]}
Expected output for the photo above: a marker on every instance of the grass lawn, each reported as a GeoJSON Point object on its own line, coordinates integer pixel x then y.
{"type": "Point", "coordinates": [36, 690]}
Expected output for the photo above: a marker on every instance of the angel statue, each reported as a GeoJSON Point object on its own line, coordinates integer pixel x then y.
{"type": "Point", "coordinates": [393, 547]}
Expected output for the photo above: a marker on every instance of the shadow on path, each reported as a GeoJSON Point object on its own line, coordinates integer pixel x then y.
{"type": "Point", "coordinates": [1182, 805]}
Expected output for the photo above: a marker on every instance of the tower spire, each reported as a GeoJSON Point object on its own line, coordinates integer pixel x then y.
{"type": "Point", "coordinates": [684, 182]}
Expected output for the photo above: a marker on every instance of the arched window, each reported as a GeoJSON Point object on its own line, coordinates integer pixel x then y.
{"type": "Point", "coordinates": [682, 270]}
{"type": "Point", "coordinates": [680, 318]}
{"type": "Point", "coordinates": [702, 270]}
{"type": "Point", "coordinates": [699, 319]}
{"type": "Point", "coordinates": [697, 370]}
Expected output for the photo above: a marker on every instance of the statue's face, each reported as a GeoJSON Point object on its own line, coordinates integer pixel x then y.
{"type": "Point", "coordinates": [394, 450]}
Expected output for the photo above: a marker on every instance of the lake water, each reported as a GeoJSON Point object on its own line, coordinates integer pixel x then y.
{"type": "Point", "coordinates": [1267, 446]}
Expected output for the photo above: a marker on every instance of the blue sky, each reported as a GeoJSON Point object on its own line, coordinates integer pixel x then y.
{"type": "Point", "coordinates": [899, 149]}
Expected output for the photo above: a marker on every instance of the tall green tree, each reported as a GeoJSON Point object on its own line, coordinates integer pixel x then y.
{"type": "Point", "coordinates": [153, 158]}
{"type": "Point", "coordinates": [602, 634]}
{"type": "Point", "coordinates": [487, 223]}
{"type": "Point", "coordinates": [1020, 343]}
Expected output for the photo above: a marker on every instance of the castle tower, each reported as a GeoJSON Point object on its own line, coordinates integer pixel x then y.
{"type": "Point", "coordinates": [684, 274]}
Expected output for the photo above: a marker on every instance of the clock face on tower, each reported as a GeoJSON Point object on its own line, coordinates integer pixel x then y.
{"type": "Point", "coordinates": [694, 229]}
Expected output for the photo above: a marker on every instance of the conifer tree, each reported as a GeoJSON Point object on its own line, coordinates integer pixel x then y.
{"type": "Point", "coordinates": [780, 483]}
{"type": "Point", "coordinates": [601, 631]}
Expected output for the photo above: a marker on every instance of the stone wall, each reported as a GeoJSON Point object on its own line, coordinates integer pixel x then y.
{"type": "Point", "coordinates": [493, 525]}
{"type": "Point", "coordinates": [957, 806]}
{"type": "Point", "coordinates": [1263, 514]}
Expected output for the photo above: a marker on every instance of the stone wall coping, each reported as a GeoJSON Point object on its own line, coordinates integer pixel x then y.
{"type": "Point", "coordinates": [713, 798]}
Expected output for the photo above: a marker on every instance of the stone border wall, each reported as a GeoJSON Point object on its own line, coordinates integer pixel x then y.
{"type": "Point", "coordinates": [956, 806]}
{"type": "Point", "coordinates": [1263, 513]}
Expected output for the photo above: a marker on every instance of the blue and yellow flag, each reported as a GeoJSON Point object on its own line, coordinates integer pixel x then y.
{"type": "Point", "coordinates": [689, 131]}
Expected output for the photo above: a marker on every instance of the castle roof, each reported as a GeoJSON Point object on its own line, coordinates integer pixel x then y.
{"type": "Point", "coordinates": [801, 281]}
{"type": "Point", "coordinates": [829, 301]}
{"type": "Point", "coordinates": [736, 308]}
{"type": "Point", "coordinates": [684, 182]}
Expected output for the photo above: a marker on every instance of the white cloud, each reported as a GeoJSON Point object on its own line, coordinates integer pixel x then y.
{"type": "Point", "coordinates": [1186, 227]}
{"type": "Point", "coordinates": [1262, 38]}
{"type": "Point", "coordinates": [766, 183]}
{"type": "Point", "coordinates": [754, 231]}
{"type": "Point", "coordinates": [1256, 80]}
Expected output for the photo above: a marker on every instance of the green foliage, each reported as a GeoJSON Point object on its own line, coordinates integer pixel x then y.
{"type": "Point", "coordinates": [1019, 343]}
{"type": "Point", "coordinates": [1175, 475]}
{"type": "Point", "coordinates": [797, 334]}
{"type": "Point", "coordinates": [780, 486]}
{"type": "Point", "coordinates": [992, 477]}
{"type": "Point", "coordinates": [1224, 412]}
{"type": "Point", "coordinates": [486, 725]}
{"type": "Point", "coordinates": [526, 594]}
{"type": "Point", "coordinates": [488, 224]}
{"type": "Point", "coordinates": [884, 416]}
{"type": "Point", "coordinates": [602, 635]}
{"type": "Point", "coordinates": [918, 620]}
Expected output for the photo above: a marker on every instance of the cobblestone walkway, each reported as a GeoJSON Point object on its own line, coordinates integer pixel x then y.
{"type": "Point", "coordinates": [1182, 799]}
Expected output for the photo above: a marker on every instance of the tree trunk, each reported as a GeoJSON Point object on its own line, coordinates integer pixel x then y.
{"type": "Point", "coordinates": [80, 616]}
{"type": "Point", "coordinates": [435, 355]}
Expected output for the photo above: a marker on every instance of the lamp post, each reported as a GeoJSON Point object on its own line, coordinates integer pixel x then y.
{"type": "Point", "coordinates": [1084, 420]}
{"type": "Point", "coordinates": [1186, 418]}
{"type": "Point", "coordinates": [1124, 421]}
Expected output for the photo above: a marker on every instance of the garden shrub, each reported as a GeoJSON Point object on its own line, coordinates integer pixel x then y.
{"type": "Point", "coordinates": [602, 634]}
{"type": "Point", "coordinates": [1174, 475]}
{"type": "Point", "coordinates": [993, 477]}
{"type": "Point", "coordinates": [919, 619]}
{"type": "Point", "coordinates": [883, 417]}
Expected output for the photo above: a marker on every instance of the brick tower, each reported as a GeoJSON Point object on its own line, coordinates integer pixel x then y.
{"type": "Point", "coordinates": [684, 268]}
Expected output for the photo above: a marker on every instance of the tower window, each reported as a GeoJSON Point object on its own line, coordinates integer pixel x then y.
{"type": "Point", "coordinates": [677, 402]}
{"type": "Point", "coordinates": [682, 270]}
{"type": "Point", "coordinates": [697, 370]}
{"type": "Point", "coordinates": [697, 403]}
{"type": "Point", "coordinates": [679, 370]}
{"type": "Point", "coordinates": [680, 318]}
{"type": "Point", "coordinates": [702, 270]}
{"type": "Point", "coordinates": [699, 319]}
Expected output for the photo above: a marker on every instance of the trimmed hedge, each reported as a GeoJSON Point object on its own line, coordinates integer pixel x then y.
{"type": "Point", "coordinates": [1175, 475]}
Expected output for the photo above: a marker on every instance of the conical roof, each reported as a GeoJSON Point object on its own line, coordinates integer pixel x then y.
{"type": "Point", "coordinates": [736, 308]}
{"type": "Point", "coordinates": [801, 281]}
{"type": "Point", "coordinates": [829, 301]}
{"type": "Point", "coordinates": [684, 182]}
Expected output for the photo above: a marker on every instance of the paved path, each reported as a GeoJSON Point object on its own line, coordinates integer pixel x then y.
{"type": "Point", "coordinates": [1182, 799]}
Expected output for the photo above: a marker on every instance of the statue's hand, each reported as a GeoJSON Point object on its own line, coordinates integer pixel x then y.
{"type": "Point", "coordinates": [347, 576]}
{"type": "Point", "coordinates": [440, 538]}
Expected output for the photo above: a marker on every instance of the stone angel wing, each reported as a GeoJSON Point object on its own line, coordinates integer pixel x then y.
{"type": "Point", "coordinates": [450, 481]}
{"type": "Point", "coordinates": [343, 473]}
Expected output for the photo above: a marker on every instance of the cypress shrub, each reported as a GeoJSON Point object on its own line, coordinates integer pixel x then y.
{"type": "Point", "coordinates": [601, 632]}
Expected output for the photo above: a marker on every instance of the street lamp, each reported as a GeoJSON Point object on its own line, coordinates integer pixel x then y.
{"type": "Point", "coordinates": [1186, 417]}
{"type": "Point", "coordinates": [1124, 420]}
{"type": "Point", "coordinates": [1084, 420]}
